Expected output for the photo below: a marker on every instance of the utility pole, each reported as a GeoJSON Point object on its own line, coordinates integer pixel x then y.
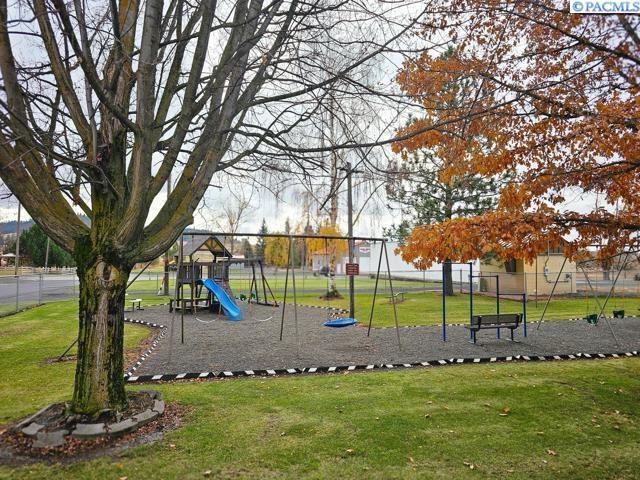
{"type": "Point", "coordinates": [46, 257]}
{"type": "Point", "coordinates": [352, 303]}
{"type": "Point", "coordinates": [17, 262]}
{"type": "Point", "coordinates": [165, 280]}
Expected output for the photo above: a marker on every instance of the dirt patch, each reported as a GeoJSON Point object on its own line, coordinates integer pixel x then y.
{"type": "Point", "coordinates": [131, 356]}
{"type": "Point", "coordinates": [17, 449]}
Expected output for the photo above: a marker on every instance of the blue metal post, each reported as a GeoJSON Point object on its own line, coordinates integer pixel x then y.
{"type": "Point", "coordinates": [444, 309]}
{"type": "Point", "coordinates": [470, 298]}
{"type": "Point", "coordinates": [524, 313]}
{"type": "Point", "coordinates": [498, 302]}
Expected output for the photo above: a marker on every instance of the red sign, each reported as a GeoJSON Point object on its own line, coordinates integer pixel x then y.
{"type": "Point", "coordinates": [353, 269]}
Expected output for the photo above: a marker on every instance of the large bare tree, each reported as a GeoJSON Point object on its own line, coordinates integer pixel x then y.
{"type": "Point", "coordinates": [103, 102]}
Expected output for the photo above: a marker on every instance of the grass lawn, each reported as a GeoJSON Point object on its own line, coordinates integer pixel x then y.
{"type": "Point", "coordinates": [574, 419]}
{"type": "Point", "coordinates": [150, 283]}
{"type": "Point", "coordinates": [27, 341]}
{"type": "Point", "coordinates": [426, 308]}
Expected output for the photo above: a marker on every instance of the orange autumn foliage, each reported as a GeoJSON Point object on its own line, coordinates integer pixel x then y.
{"type": "Point", "coordinates": [556, 99]}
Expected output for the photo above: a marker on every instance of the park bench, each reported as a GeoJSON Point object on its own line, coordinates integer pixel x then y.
{"type": "Point", "coordinates": [136, 304]}
{"type": "Point", "coordinates": [398, 296]}
{"type": "Point", "coordinates": [495, 321]}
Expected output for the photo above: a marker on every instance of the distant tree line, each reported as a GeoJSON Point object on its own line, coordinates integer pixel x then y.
{"type": "Point", "coordinates": [33, 249]}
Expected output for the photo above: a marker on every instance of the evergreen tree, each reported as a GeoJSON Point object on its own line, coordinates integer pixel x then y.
{"type": "Point", "coordinates": [33, 244]}
{"type": "Point", "coordinates": [426, 198]}
{"type": "Point", "coordinates": [247, 248]}
{"type": "Point", "coordinates": [261, 244]}
{"type": "Point", "coordinates": [424, 185]}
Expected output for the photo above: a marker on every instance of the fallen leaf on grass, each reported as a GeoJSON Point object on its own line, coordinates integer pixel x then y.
{"type": "Point", "coordinates": [551, 452]}
{"type": "Point", "coordinates": [349, 451]}
{"type": "Point", "coordinates": [206, 473]}
{"type": "Point", "coordinates": [470, 465]}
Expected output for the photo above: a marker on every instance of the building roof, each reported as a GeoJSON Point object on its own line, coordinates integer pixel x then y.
{"type": "Point", "coordinates": [203, 243]}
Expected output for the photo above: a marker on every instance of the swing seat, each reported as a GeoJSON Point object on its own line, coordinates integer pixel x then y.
{"type": "Point", "coordinates": [340, 322]}
{"type": "Point", "coordinates": [618, 314]}
{"type": "Point", "coordinates": [592, 318]}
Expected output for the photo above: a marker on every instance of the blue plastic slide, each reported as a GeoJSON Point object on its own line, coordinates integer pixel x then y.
{"type": "Point", "coordinates": [231, 310]}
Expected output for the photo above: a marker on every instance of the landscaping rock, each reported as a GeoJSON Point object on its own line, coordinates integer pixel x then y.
{"type": "Point", "coordinates": [125, 426]}
{"type": "Point", "coordinates": [31, 418]}
{"type": "Point", "coordinates": [50, 439]}
{"type": "Point", "coordinates": [32, 429]}
{"type": "Point", "coordinates": [154, 394]}
{"type": "Point", "coordinates": [89, 430]}
{"type": "Point", "coordinates": [158, 406]}
{"type": "Point", "coordinates": [145, 417]}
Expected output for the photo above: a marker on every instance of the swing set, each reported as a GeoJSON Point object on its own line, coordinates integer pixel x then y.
{"type": "Point", "coordinates": [593, 316]}
{"type": "Point", "coordinates": [259, 280]}
{"type": "Point", "coordinates": [338, 322]}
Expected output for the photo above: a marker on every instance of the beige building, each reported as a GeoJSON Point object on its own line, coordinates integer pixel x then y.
{"type": "Point", "coordinates": [517, 276]}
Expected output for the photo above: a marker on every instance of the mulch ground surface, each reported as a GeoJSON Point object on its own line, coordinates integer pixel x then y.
{"type": "Point", "coordinates": [214, 344]}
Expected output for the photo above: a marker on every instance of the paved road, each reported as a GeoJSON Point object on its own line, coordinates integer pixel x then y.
{"type": "Point", "coordinates": [33, 289]}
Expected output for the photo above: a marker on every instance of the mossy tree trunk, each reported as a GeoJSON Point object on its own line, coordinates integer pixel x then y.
{"type": "Point", "coordinates": [99, 379]}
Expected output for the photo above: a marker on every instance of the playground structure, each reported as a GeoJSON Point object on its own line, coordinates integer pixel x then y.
{"type": "Point", "coordinates": [220, 299]}
{"type": "Point", "coordinates": [204, 273]}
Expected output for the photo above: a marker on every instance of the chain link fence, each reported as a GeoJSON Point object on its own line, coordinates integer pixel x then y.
{"type": "Point", "coordinates": [421, 290]}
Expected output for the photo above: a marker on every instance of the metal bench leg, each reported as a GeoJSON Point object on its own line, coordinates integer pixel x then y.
{"type": "Point", "coordinates": [511, 334]}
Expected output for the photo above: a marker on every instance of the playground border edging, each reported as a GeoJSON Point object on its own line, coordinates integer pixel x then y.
{"type": "Point", "coordinates": [348, 368]}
